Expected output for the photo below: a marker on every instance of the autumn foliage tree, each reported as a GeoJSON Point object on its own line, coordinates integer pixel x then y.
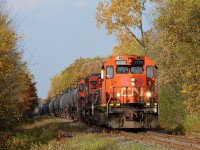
{"type": "Point", "coordinates": [178, 27]}
{"type": "Point", "coordinates": [126, 20]}
{"type": "Point", "coordinates": [16, 85]}
{"type": "Point", "coordinates": [173, 43]}
{"type": "Point", "coordinates": [28, 94]}
{"type": "Point", "coordinates": [81, 68]}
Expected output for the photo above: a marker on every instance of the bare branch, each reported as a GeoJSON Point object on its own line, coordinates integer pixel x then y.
{"type": "Point", "coordinates": [141, 23]}
{"type": "Point", "coordinates": [140, 42]}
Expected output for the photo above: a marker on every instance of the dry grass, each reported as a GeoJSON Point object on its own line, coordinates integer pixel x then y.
{"type": "Point", "coordinates": [62, 134]}
{"type": "Point", "coordinates": [89, 142]}
{"type": "Point", "coordinates": [38, 122]}
{"type": "Point", "coordinates": [192, 126]}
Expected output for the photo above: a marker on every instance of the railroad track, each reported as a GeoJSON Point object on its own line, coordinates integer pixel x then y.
{"type": "Point", "coordinates": [166, 140]}
{"type": "Point", "coordinates": [163, 139]}
{"type": "Point", "coordinates": [169, 141]}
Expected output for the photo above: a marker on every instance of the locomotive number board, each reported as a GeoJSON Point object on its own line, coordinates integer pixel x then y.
{"type": "Point", "coordinates": [138, 62]}
{"type": "Point", "coordinates": [120, 62]}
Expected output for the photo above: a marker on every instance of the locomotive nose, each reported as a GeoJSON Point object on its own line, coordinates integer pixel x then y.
{"type": "Point", "coordinates": [131, 81]}
{"type": "Point", "coordinates": [125, 81]}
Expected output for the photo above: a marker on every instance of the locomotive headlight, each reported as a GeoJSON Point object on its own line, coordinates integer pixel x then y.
{"type": "Point", "coordinates": [118, 94]}
{"type": "Point", "coordinates": [132, 79]}
{"type": "Point", "coordinates": [133, 84]}
{"type": "Point", "coordinates": [148, 94]}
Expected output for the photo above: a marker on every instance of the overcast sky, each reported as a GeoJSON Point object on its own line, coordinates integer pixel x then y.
{"type": "Point", "coordinates": [56, 32]}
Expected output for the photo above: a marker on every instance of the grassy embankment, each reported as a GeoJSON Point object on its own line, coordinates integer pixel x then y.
{"type": "Point", "coordinates": [58, 134]}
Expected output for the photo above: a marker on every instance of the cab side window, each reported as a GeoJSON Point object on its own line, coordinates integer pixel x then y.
{"type": "Point", "coordinates": [81, 87]}
{"type": "Point", "coordinates": [109, 72]}
{"type": "Point", "coordinates": [149, 71]}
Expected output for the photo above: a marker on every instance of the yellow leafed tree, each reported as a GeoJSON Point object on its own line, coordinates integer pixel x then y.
{"type": "Point", "coordinates": [125, 19]}
{"type": "Point", "coordinates": [15, 87]}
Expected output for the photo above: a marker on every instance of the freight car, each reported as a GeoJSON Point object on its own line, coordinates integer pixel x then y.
{"type": "Point", "coordinates": [123, 95]}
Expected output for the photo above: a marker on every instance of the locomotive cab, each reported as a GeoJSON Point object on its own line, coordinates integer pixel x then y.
{"type": "Point", "coordinates": [86, 89]}
{"type": "Point", "coordinates": [81, 97]}
{"type": "Point", "coordinates": [129, 91]}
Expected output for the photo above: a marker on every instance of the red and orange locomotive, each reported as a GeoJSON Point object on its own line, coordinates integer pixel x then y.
{"type": "Point", "coordinates": [123, 96]}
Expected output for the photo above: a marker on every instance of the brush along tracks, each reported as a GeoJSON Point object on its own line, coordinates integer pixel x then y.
{"type": "Point", "coordinates": [166, 140]}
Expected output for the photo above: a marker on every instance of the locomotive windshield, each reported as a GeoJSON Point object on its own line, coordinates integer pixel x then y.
{"type": "Point", "coordinates": [136, 70]}
{"type": "Point", "coordinates": [122, 70]}
{"type": "Point", "coordinates": [125, 70]}
{"type": "Point", "coordinates": [93, 82]}
{"type": "Point", "coordinates": [81, 87]}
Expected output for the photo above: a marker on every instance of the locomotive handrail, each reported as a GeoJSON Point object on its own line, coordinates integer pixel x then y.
{"type": "Point", "coordinates": [95, 91]}
{"type": "Point", "coordinates": [107, 105]}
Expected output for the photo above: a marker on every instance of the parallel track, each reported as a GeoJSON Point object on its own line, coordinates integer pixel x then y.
{"type": "Point", "coordinates": [165, 140]}
{"type": "Point", "coordinates": [179, 138]}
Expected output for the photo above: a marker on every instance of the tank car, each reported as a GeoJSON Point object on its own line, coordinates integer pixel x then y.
{"type": "Point", "coordinates": [74, 104]}
{"type": "Point", "coordinates": [66, 104]}
{"type": "Point", "coordinates": [51, 107]}
{"type": "Point", "coordinates": [41, 109]}
{"type": "Point", "coordinates": [62, 106]}
{"type": "Point", "coordinates": [69, 103]}
{"type": "Point", "coordinates": [56, 107]}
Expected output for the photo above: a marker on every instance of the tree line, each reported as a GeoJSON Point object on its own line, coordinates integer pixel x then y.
{"type": "Point", "coordinates": [61, 82]}
{"type": "Point", "coordinates": [18, 94]}
{"type": "Point", "coordinates": [172, 41]}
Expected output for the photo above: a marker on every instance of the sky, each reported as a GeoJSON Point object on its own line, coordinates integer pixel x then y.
{"type": "Point", "coordinates": [56, 33]}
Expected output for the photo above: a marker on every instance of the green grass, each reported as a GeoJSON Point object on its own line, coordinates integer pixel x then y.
{"type": "Point", "coordinates": [24, 138]}
{"type": "Point", "coordinates": [89, 142]}
{"type": "Point", "coordinates": [37, 133]}
{"type": "Point", "coordinates": [192, 126]}
{"type": "Point", "coordinates": [43, 134]}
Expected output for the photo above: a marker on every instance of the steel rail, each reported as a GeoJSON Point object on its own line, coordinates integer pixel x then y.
{"type": "Point", "coordinates": [139, 137]}
{"type": "Point", "coordinates": [183, 139]}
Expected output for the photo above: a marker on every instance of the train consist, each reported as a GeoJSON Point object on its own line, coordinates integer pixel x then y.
{"type": "Point", "coordinates": [123, 95]}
